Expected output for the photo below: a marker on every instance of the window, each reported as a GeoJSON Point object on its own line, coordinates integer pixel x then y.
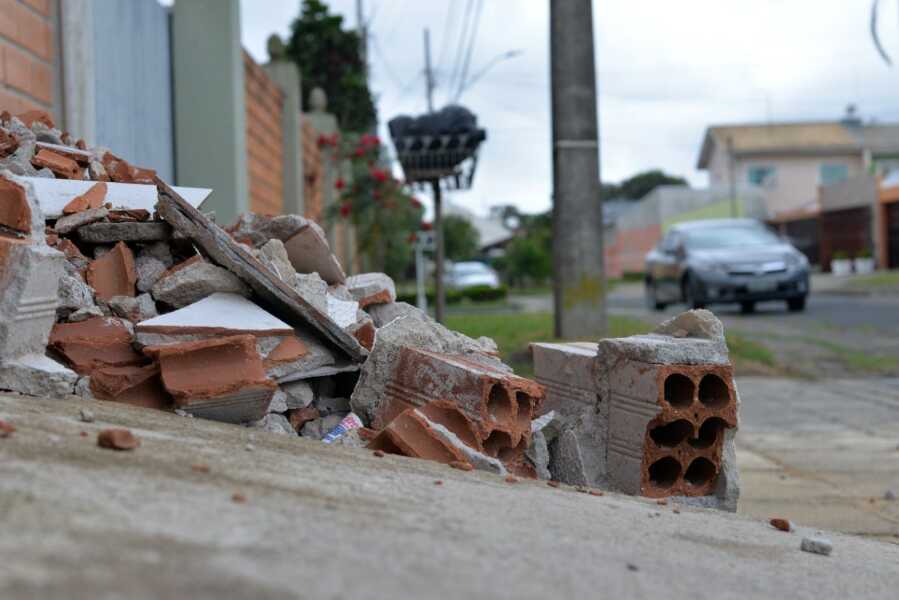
{"type": "Point", "coordinates": [831, 173]}
{"type": "Point", "coordinates": [762, 175]}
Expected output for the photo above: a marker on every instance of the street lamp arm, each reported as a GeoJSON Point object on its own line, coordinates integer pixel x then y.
{"type": "Point", "coordinates": [483, 71]}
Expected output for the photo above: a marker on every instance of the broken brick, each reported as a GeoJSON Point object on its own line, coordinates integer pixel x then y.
{"type": "Point", "coordinates": [290, 350]}
{"type": "Point", "coordinates": [29, 117]}
{"type": "Point", "coordinates": [14, 210]}
{"type": "Point", "coordinates": [138, 386]}
{"type": "Point", "coordinates": [117, 169]}
{"type": "Point", "coordinates": [113, 274]}
{"type": "Point", "coordinates": [128, 215]}
{"type": "Point", "coordinates": [364, 332]}
{"type": "Point", "coordinates": [92, 198]}
{"type": "Point", "coordinates": [95, 343]}
{"type": "Point", "coordinates": [8, 143]}
{"type": "Point", "coordinates": [309, 252]}
{"type": "Point", "coordinates": [221, 378]}
{"type": "Point", "coordinates": [117, 439]}
{"type": "Point", "coordinates": [781, 524]}
{"type": "Point", "coordinates": [301, 416]}
{"type": "Point", "coordinates": [371, 288]}
{"type": "Point", "coordinates": [62, 167]}
{"type": "Point", "coordinates": [6, 429]}
{"type": "Point", "coordinates": [80, 156]}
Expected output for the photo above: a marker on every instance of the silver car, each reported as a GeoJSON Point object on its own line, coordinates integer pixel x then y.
{"type": "Point", "coordinates": [720, 261]}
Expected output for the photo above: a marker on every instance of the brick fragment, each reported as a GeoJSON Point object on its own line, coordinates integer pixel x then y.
{"type": "Point", "coordinates": [94, 343]}
{"type": "Point", "coordinates": [371, 288]}
{"type": "Point", "coordinates": [135, 385]}
{"type": "Point", "coordinates": [8, 143]}
{"type": "Point", "coordinates": [130, 215]}
{"type": "Point", "coordinates": [6, 429]}
{"type": "Point", "coordinates": [117, 169]}
{"type": "Point", "coordinates": [62, 167]}
{"type": "Point", "coordinates": [113, 274]}
{"type": "Point", "coordinates": [301, 416]}
{"type": "Point", "coordinates": [15, 212]}
{"type": "Point", "coordinates": [29, 117]}
{"type": "Point", "coordinates": [92, 198]}
{"type": "Point", "coordinates": [781, 524]}
{"type": "Point", "coordinates": [117, 439]}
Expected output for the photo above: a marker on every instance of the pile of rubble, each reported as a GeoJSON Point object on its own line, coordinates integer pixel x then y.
{"type": "Point", "coordinates": [115, 286]}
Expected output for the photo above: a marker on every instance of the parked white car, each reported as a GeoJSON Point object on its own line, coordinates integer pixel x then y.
{"type": "Point", "coordinates": [462, 275]}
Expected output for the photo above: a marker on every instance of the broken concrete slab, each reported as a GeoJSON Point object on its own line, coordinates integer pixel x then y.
{"type": "Point", "coordinates": [299, 394]}
{"type": "Point", "coordinates": [135, 385]}
{"type": "Point", "coordinates": [54, 194]}
{"type": "Point", "coordinates": [133, 308]}
{"type": "Point", "coordinates": [70, 223]}
{"type": "Point", "coordinates": [95, 343]}
{"type": "Point", "coordinates": [371, 288]}
{"type": "Point", "coordinates": [256, 230]}
{"type": "Point", "coordinates": [221, 379]}
{"type": "Point", "coordinates": [274, 256]}
{"type": "Point", "coordinates": [313, 289]}
{"type": "Point", "coordinates": [110, 233]}
{"type": "Point", "coordinates": [309, 253]}
{"type": "Point", "coordinates": [113, 274]}
{"type": "Point", "coordinates": [382, 314]}
{"type": "Point", "coordinates": [342, 312]}
{"type": "Point", "coordinates": [37, 375]}
{"type": "Point", "coordinates": [278, 403]}
{"type": "Point", "coordinates": [195, 282]}
{"type": "Point", "coordinates": [304, 357]}
{"type": "Point", "coordinates": [281, 298]}
{"type": "Point", "coordinates": [74, 294]}
{"type": "Point", "coordinates": [29, 294]}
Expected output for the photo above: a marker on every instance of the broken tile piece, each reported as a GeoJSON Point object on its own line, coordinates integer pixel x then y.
{"type": "Point", "coordinates": [92, 198]}
{"type": "Point", "coordinates": [138, 386]}
{"type": "Point", "coordinates": [94, 343]}
{"type": "Point", "coordinates": [221, 379]}
{"type": "Point", "coordinates": [113, 274]}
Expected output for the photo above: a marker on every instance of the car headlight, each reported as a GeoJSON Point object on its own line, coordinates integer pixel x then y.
{"type": "Point", "coordinates": [796, 260]}
{"type": "Point", "coordinates": [709, 265]}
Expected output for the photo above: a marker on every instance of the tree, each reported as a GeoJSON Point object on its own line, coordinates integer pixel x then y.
{"type": "Point", "coordinates": [329, 57]}
{"type": "Point", "coordinates": [461, 240]}
{"type": "Point", "coordinates": [528, 258]}
{"type": "Point", "coordinates": [637, 186]}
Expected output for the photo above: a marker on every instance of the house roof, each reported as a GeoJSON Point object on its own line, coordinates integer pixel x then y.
{"type": "Point", "coordinates": [823, 137]}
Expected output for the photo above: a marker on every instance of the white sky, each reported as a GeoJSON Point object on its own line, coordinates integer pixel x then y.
{"type": "Point", "coordinates": [666, 70]}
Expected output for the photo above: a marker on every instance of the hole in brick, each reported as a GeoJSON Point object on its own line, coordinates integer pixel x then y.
{"type": "Point", "coordinates": [664, 472]}
{"type": "Point", "coordinates": [671, 434]}
{"type": "Point", "coordinates": [509, 453]}
{"type": "Point", "coordinates": [708, 433]}
{"type": "Point", "coordinates": [499, 403]}
{"type": "Point", "coordinates": [496, 441]}
{"type": "Point", "coordinates": [713, 391]}
{"type": "Point", "coordinates": [700, 472]}
{"type": "Point", "coordinates": [524, 410]}
{"type": "Point", "coordinates": [678, 390]}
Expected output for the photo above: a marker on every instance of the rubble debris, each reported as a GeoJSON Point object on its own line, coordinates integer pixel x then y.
{"type": "Point", "coordinates": [816, 545]}
{"type": "Point", "coordinates": [299, 394]}
{"type": "Point", "coordinates": [255, 230]}
{"type": "Point", "coordinates": [92, 199]}
{"type": "Point", "coordinates": [75, 258]}
{"type": "Point", "coordinates": [135, 309]}
{"type": "Point", "coordinates": [364, 332]}
{"type": "Point", "coordinates": [282, 299]}
{"type": "Point", "coordinates": [274, 423]}
{"type": "Point", "coordinates": [299, 417]}
{"type": "Point", "coordinates": [309, 253]}
{"type": "Point", "coordinates": [117, 439]}
{"type": "Point", "coordinates": [113, 274]}
{"type": "Point", "coordinates": [889, 495]}
{"type": "Point", "coordinates": [85, 313]}
{"type": "Point", "coordinates": [342, 312]}
{"type": "Point", "coordinates": [73, 294]}
{"type": "Point", "coordinates": [70, 223]}
{"type": "Point", "coordinates": [200, 468]}
{"type": "Point", "coordinates": [348, 424]}
{"type": "Point", "coordinates": [85, 416]}
{"type": "Point", "coordinates": [62, 167]}
{"type": "Point", "coordinates": [781, 524]}
{"type": "Point", "coordinates": [221, 378]}
{"type": "Point", "coordinates": [15, 213]}
{"type": "Point", "coordinates": [193, 282]}
{"type": "Point", "coordinates": [318, 428]}
{"type": "Point", "coordinates": [126, 231]}
{"type": "Point", "coordinates": [274, 256]}
{"type": "Point", "coordinates": [6, 429]}
{"type": "Point", "coordinates": [382, 314]}
{"type": "Point", "coordinates": [95, 343]}
{"type": "Point", "coordinates": [135, 385]}
{"type": "Point", "coordinates": [151, 263]}
{"type": "Point", "coordinates": [371, 288]}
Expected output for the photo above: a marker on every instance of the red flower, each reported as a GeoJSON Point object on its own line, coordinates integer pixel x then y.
{"type": "Point", "coordinates": [322, 141]}
{"type": "Point", "coordinates": [339, 184]}
{"type": "Point", "coordinates": [359, 152]}
{"type": "Point", "coordinates": [333, 139]}
{"type": "Point", "coordinates": [346, 209]}
{"type": "Point", "coordinates": [369, 140]}
{"type": "Point", "coordinates": [415, 202]}
{"type": "Point", "coordinates": [425, 226]}
{"type": "Point", "coordinates": [379, 175]}
{"type": "Point", "coordinates": [412, 238]}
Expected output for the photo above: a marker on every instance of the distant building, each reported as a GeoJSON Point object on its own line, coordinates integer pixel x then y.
{"type": "Point", "coordinates": [493, 233]}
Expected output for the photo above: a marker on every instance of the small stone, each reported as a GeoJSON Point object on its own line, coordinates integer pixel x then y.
{"type": "Point", "coordinates": [83, 314]}
{"type": "Point", "coordinates": [889, 495]}
{"type": "Point", "coordinates": [249, 447]}
{"type": "Point", "coordinates": [86, 416]}
{"type": "Point", "coordinates": [200, 467]}
{"type": "Point", "coordinates": [781, 524]}
{"type": "Point", "coordinates": [378, 453]}
{"type": "Point", "coordinates": [6, 429]}
{"type": "Point", "coordinates": [238, 498]}
{"type": "Point", "coordinates": [817, 545]}
{"type": "Point", "coordinates": [438, 482]}
{"type": "Point", "coordinates": [183, 413]}
{"type": "Point", "coordinates": [553, 484]}
{"type": "Point", "coordinates": [278, 402]}
{"type": "Point", "coordinates": [117, 439]}
{"type": "Point", "coordinates": [511, 479]}
{"type": "Point", "coordinates": [462, 466]}
{"type": "Point", "coordinates": [632, 567]}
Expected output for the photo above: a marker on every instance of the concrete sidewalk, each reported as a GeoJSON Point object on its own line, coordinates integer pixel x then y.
{"type": "Point", "coordinates": [821, 453]}
{"type": "Point", "coordinates": [321, 522]}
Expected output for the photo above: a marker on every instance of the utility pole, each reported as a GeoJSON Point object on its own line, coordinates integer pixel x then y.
{"type": "Point", "coordinates": [579, 276]}
{"type": "Point", "coordinates": [363, 35]}
{"type": "Point", "coordinates": [439, 294]}
{"type": "Point", "coordinates": [732, 177]}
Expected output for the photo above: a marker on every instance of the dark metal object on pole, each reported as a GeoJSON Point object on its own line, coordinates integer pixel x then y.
{"type": "Point", "coordinates": [439, 293]}
{"type": "Point", "coordinates": [579, 280]}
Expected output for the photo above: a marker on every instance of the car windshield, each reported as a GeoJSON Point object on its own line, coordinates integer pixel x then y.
{"type": "Point", "coordinates": [729, 237]}
{"type": "Point", "coordinates": [470, 268]}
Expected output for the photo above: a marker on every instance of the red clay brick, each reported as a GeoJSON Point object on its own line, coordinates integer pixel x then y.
{"type": "Point", "coordinates": [117, 439]}
{"type": "Point", "coordinates": [14, 210]}
{"type": "Point", "coordinates": [93, 344]}
{"type": "Point", "coordinates": [62, 167]}
{"type": "Point", "coordinates": [92, 198]}
{"type": "Point", "coordinates": [113, 274]}
{"type": "Point", "coordinates": [135, 385]}
{"type": "Point", "coordinates": [30, 116]}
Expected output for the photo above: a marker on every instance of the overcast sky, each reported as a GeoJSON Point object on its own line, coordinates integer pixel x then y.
{"type": "Point", "coordinates": [666, 70]}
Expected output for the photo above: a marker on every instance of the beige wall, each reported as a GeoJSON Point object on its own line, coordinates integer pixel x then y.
{"type": "Point", "coordinates": [797, 179]}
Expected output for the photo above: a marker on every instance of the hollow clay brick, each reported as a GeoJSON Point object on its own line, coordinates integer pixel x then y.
{"type": "Point", "coordinates": [113, 274]}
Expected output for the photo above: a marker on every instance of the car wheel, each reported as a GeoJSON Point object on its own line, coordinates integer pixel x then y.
{"type": "Point", "coordinates": [747, 307]}
{"type": "Point", "coordinates": [690, 295]}
{"type": "Point", "coordinates": [796, 304]}
{"type": "Point", "coordinates": [652, 302]}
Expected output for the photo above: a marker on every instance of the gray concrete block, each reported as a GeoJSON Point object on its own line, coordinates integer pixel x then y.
{"type": "Point", "coordinates": [195, 282]}
{"type": "Point", "coordinates": [273, 255]}
{"type": "Point", "coordinates": [382, 314]}
{"type": "Point", "coordinates": [299, 394]}
{"type": "Point", "coordinates": [37, 375]}
{"type": "Point", "coordinates": [111, 233]}
{"type": "Point", "coordinates": [74, 294]}
{"type": "Point", "coordinates": [70, 223]}
{"type": "Point", "coordinates": [135, 309]}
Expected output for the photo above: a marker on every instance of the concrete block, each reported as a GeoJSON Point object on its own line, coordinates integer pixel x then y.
{"type": "Point", "coordinates": [273, 255]}
{"type": "Point", "coordinates": [74, 294]}
{"type": "Point", "coordinates": [110, 233]}
{"type": "Point", "coordinates": [135, 309]}
{"type": "Point", "coordinates": [342, 312]}
{"type": "Point", "coordinates": [299, 394]}
{"type": "Point", "coordinates": [312, 288]}
{"type": "Point", "coordinates": [371, 288]}
{"type": "Point", "coordinates": [195, 282]}
{"type": "Point", "coordinates": [382, 314]}
{"type": "Point", "coordinates": [37, 375]}
{"type": "Point", "coordinates": [256, 230]}
{"type": "Point", "coordinates": [273, 423]}
{"type": "Point", "coordinates": [69, 223]}
{"type": "Point", "coordinates": [278, 403]}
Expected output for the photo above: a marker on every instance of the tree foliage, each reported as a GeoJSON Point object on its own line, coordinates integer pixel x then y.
{"type": "Point", "coordinates": [330, 57]}
{"type": "Point", "coordinates": [528, 259]}
{"type": "Point", "coordinates": [637, 186]}
{"type": "Point", "coordinates": [460, 238]}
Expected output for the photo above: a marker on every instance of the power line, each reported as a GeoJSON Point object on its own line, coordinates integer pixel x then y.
{"type": "Point", "coordinates": [447, 33]}
{"type": "Point", "coordinates": [460, 47]}
{"type": "Point", "coordinates": [469, 51]}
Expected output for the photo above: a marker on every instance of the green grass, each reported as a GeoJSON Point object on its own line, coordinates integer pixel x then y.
{"type": "Point", "coordinates": [881, 280]}
{"type": "Point", "coordinates": [857, 360]}
{"type": "Point", "coordinates": [513, 333]}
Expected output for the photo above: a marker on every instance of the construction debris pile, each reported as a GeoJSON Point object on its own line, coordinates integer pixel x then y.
{"type": "Point", "coordinates": [115, 286]}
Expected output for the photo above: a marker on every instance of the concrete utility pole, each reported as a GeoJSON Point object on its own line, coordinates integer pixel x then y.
{"type": "Point", "coordinates": [579, 278]}
{"type": "Point", "coordinates": [439, 294]}
{"type": "Point", "coordinates": [732, 177]}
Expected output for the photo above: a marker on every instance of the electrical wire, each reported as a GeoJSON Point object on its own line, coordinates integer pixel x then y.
{"type": "Point", "coordinates": [460, 46]}
{"type": "Point", "coordinates": [469, 51]}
